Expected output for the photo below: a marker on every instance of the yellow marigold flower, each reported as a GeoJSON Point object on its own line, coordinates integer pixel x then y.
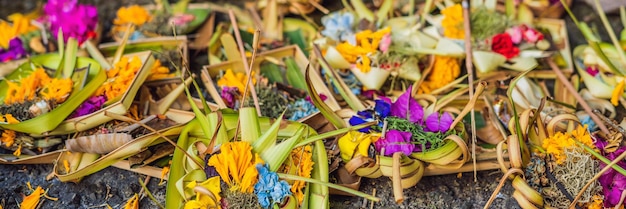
{"type": "Point", "coordinates": [559, 142]}
{"type": "Point", "coordinates": [18, 151]}
{"type": "Point", "coordinates": [445, 70]}
{"type": "Point", "coordinates": [209, 197]}
{"type": "Point", "coordinates": [31, 201]}
{"type": "Point", "coordinates": [236, 164]}
{"type": "Point", "coordinates": [452, 22]}
{"type": "Point", "coordinates": [132, 203]}
{"type": "Point", "coordinates": [367, 42]}
{"type": "Point", "coordinates": [20, 24]}
{"type": "Point", "coordinates": [300, 163]}
{"type": "Point", "coordinates": [134, 14]}
{"type": "Point", "coordinates": [231, 79]}
{"type": "Point", "coordinates": [8, 138]}
{"type": "Point", "coordinates": [57, 89]}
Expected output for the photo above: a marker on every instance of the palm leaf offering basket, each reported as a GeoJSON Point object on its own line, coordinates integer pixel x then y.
{"type": "Point", "coordinates": [290, 112]}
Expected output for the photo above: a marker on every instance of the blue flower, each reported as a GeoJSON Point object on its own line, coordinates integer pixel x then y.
{"type": "Point", "coordinates": [382, 108]}
{"type": "Point", "coordinates": [269, 189]}
{"type": "Point", "coordinates": [300, 109]}
{"type": "Point", "coordinates": [338, 26]}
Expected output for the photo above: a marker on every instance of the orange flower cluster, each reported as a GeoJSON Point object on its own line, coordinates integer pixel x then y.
{"type": "Point", "coordinates": [38, 82]}
{"type": "Point", "coordinates": [8, 138]}
{"type": "Point", "coordinates": [452, 22]}
{"type": "Point", "coordinates": [444, 71]}
{"type": "Point", "coordinates": [236, 164]}
{"type": "Point", "coordinates": [120, 78]}
{"type": "Point", "coordinates": [367, 42]}
{"type": "Point", "coordinates": [301, 163]}
{"type": "Point", "coordinates": [159, 71]}
{"type": "Point", "coordinates": [134, 14]}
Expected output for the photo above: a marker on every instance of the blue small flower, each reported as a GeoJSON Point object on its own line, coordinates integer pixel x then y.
{"type": "Point", "coordinates": [300, 109]}
{"type": "Point", "coordinates": [338, 26]}
{"type": "Point", "coordinates": [586, 120]}
{"type": "Point", "coordinates": [269, 189]}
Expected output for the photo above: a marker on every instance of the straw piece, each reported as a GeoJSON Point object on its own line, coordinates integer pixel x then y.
{"type": "Point", "coordinates": [397, 178]}
{"type": "Point", "coordinates": [579, 98]}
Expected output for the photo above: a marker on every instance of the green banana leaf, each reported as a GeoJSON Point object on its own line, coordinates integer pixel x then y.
{"type": "Point", "coordinates": [52, 119]}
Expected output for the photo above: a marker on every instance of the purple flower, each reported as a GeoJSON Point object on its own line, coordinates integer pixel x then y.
{"type": "Point", "coordinates": [395, 141]}
{"type": "Point", "coordinates": [76, 20]}
{"type": "Point", "coordinates": [15, 51]}
{"type": "Point", "coordinates": [323, 97]}
{"type": "Point", "coordinates": [613, 183]}
{"type": "Point", "coordinates": [229, 94]}
{"type": "Point", "coordinates": [407, 108]}
{"type": "Point", "coordinates": [437, 123]}
{"type": "Point", "coordinates": [92, 105]}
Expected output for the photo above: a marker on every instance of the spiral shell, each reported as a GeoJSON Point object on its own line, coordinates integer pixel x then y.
{"type": "Point", "coordinates": [99, 143]}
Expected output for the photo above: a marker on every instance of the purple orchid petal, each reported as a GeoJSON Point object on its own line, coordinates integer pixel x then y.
{"type": "Point", "coordinates": [407, 108]}
{"type": "Point", "coordinates": [395, 141]}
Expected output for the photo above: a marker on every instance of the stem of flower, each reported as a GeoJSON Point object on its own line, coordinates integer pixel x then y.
{"type": "Point", "coordinates": [334, 186]}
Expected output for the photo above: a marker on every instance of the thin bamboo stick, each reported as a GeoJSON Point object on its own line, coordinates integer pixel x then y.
{"type": "Point", "coordinates": [579, 98]}
{"type": "Point", "coordinates": [244, 59]}
{"type": "Point", "coordinates": [470, 72]}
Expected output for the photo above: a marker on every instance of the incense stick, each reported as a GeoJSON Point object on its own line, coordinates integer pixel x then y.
{"type": "Point", "coordinates": [579, 98]}
{"type": "Point", "coordinates": [244, 59]}
{"type": "Point", "coordinates": [470, 72]}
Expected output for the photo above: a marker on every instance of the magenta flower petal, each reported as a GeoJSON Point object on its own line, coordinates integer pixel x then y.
{"type": "Point", "coordinates": [432, 122]}
{"type": "Point", "coordinates": [395, 141]}
{"type": "Point", "coordinates": [445, 121]}
{"type": "Point", "coordinates": [407, 108]}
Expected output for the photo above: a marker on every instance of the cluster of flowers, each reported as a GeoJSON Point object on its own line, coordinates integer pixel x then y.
{"type": "Point", "coordinates": [244, 172]}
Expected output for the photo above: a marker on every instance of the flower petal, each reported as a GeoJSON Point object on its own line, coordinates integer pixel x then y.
{"type": "Point", "coordinates": [445, 121]}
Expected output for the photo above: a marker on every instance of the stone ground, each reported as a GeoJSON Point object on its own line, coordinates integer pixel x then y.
{"type": "Point", "coordinates": [113, 186]}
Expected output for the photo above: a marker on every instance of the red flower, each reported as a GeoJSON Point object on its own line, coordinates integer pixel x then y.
{"type": "Point", "coordinates": [502, 44]}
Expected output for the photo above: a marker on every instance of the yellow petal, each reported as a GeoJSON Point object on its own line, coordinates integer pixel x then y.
{"type": "Point", "coordinates": [132, 203]}
{"type": "Point", "coordinates": [617, 93]}
{"type": "Point", "coordinates": [31, 201]}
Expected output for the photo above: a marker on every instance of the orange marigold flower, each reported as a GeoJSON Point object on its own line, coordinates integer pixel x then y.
{"type": "Point", "coordinates": [236, 165]}
{"type": "Point", "coordinates": [57, 89]}
{"type": "Point", "coordinates": [120, 77]}
{"type": "Point", "coordinates": [159, 71]}
{"type": "Point", "coordinates": [8, 138]}
{"type": "Point", "coordinates": [134, 14]}
{"type": "Point", "coordinates": [300, 163]}
{"type": "Point", "coordinates": [445, 70]}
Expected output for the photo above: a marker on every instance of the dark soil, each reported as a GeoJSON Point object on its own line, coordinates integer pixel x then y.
{"type": "Point", "coordinates": [114, 186]}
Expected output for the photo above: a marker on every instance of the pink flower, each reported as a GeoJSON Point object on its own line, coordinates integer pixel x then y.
{"type": "Point", "coordinates": [516, 34]}
{"type": "Point", "coordinates": [385, 42]}
{"type": "Point", "coordinates": [531, 35]}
